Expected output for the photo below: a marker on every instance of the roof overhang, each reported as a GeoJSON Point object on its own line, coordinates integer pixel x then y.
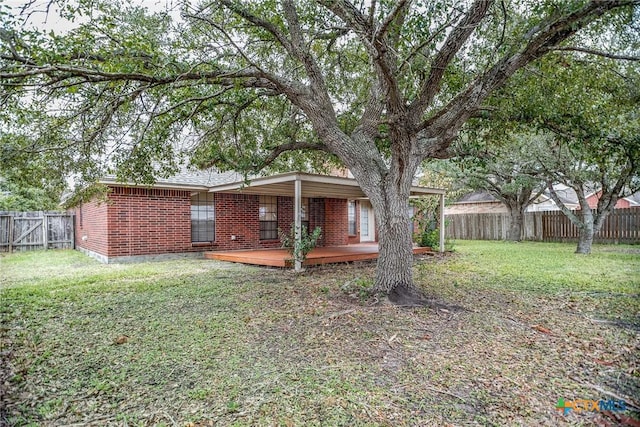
{"type": "Point", "coordinates": [159, 184]}
{"type": "Point", "coordinates": [312, 185]}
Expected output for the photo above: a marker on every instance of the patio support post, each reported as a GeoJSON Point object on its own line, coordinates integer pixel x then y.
{"type": "Point", "coordinates": [442, 223]}
{"type": "Point", "coordinates": [298, 222]}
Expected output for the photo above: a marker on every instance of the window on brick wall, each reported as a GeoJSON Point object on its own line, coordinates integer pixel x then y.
{"type": "Point", "coordinates": [268, 217]}
{"type": "Point", "coordinates": [203, 218]}
{"type": "Point", "coordinates": [351, 213]}
{"type": "Point", "coordinates": [411, 213]}
{"type": "Point", "coordinates": [304, 212]}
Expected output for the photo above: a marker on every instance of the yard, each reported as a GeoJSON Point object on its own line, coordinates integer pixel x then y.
{"type": "Point", "coordinates": [513, 329]}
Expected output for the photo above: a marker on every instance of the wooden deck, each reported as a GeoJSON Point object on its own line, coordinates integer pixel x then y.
{"type": "Point", "coordinates": [280, 257]}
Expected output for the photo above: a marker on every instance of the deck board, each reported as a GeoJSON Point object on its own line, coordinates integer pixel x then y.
{"type": "Point", "coordinates": [280, 257]}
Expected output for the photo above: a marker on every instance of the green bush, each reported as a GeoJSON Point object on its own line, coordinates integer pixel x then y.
{"type": "Point", "coordinates": [299, 250]}
{"type": "Point", "coordinates": [429, 238]}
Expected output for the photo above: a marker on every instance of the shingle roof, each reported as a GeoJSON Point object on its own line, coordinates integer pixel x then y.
{"type": "Point", "coordinates": [567, 195]}
{"type": "Point", "coordinates": [282, 183]}
{"type": "Point", "coordinates": [190, 178]}
{"type": "Point", "coordinates": [207, 178]}
{"type": "Point", "coordinates": [477, 197]}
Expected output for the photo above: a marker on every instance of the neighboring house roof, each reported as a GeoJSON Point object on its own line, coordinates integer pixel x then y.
{"type": "Point", "coordinates": [567, 195]}
{"type": "Point", "coordinates": [634, 199]}
{"type": "Point", "coordinates": [479, 196]}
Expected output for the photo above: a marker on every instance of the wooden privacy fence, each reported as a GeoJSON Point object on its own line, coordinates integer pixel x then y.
{"type": "Point", "coordinates": [25, 231]}
{"type": "Point", "coordinates": [621, 226]}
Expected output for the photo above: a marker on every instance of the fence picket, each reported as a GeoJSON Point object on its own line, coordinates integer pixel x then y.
{"type": "Point", "coordinates": [621, 226]}
{"type": "Point", "coordinates": [57, 231]}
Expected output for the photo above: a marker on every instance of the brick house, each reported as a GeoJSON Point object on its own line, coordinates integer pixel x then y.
{"type": "Point", "coordinates": [191, 213]}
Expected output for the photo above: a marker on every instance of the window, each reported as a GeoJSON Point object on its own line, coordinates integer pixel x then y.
{"type": "Point", "coordinates": [411, 213]}
{"type": "Point", "coordinates": [268, 217]}
{"type": "Point", "coordinates": [203, 220]}
{"type": "Point", "coordinates": [364, 222]}
{"type": "Point", "coordinates": [304, 212]}
{"type": "Point", "coordinates": [352, 217]}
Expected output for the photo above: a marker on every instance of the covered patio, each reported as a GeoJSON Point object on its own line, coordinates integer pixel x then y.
{"type": "Point", "coordinates": [299, 185]}
{"type": "Point", "coordinates": [318, 256]}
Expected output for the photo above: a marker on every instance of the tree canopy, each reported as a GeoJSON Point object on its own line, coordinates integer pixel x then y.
{"type": "Point", "coordinates": [584, 117]}
{"type": "Point", "coordinates": [506, 166]}
{"type": "Point", "coordinates": [379, 85]}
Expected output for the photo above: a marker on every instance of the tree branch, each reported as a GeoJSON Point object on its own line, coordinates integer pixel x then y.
{"type": "Point", "coordinates": [396, 12]}
{"type": "Point", "coordinates": [454, 42]}
{"type": "Point", "coordinates": [273, 155]}
{"type": "Point", "coordinates": [380, 53]}
{"type": "Point", "coordinates": [568, 212]}
{"type": "Point", "coordinates": [443, 126]}
{"type": "Point", "coordinates": [292, 146]}
{"type": "Point", "coordinates": [250, 78]}
{"type": "Point", "coordinates": [266, 25]}
{"type": "Point", "coordinates": [418, 49]}
{"type": "Point", "coordinates": [596, 52]}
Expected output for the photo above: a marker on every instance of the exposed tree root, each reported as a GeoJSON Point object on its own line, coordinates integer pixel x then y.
{"type": "Point", "coordinates": [408, 296]}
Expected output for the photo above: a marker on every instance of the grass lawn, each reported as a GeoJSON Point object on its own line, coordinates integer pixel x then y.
{"type": "Point", "coordinates": [199, 342]}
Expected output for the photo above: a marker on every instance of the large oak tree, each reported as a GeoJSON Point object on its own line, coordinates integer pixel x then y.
{"type": "Point", "coordinates": [382, 85]}
{"type": "Point", "coordinates": [504, 165]}
{"type": "Point", "coordinates": [586, 135]}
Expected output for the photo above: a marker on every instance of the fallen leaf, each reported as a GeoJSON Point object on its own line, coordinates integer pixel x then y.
{"type": "Point", "coordinates": [392, 338]}
{"type": "Point", "coordinates": [542, 329]}
{"type": "Point", "coordinates": [600, 422]}
{"type": "Point", "coordinates": [121, 339]}
{"type": "Point", "coordinates": [628, 421]}
{"type": "Point", "coordinates": [622, 419]}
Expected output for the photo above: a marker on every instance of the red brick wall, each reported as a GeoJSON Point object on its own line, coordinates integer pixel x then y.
{"type": "Point", "coordinates": [91, 227]}
{"type": "Point", "coordinates": [317, 217]}
{"type": "Point", "coordinates": [145, 221]}
{"type": "Point", "coordinates": [285, 219]}
{"type": "Point", "coordinates": [237, 217]}
{"type": "Point", "coordinates": [142, 221]}
{"type": "Point", "coordinates": [336, 226]}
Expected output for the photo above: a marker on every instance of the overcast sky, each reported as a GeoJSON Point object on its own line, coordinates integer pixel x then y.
{"type": "Point", "coordinates": [40, 19]}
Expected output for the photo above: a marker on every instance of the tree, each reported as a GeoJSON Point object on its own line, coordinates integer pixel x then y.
{"type": "Point", "coordinates": [589, 130]}
{"type": "Point", "coordinates": [14, 197]}
{"type": "Point", "coordinates": [381, 85]}
{"type": "Point", "coordinates": [611, 172]}
{"type": "Point", "coordinates": [596, 144]}
{"type": "Point", "coordinates": [506, 168]}
{"type": "Point", "coordinates": [25, 183]}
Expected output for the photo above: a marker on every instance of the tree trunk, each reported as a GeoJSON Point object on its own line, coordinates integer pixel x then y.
{"type": "Point", "coordinates": [388, 189]}
{"type": "Point", "coordinates": [394, 276]}
{"type": "Point", "coordinates": [514, 232]}
{"type": "Point", "coordinates": [585, 240]}
{"type": "Point", "coordinates": [587, 231]}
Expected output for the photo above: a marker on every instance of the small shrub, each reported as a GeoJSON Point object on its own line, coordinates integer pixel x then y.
{"type": "Point", "coordinates": [428, 238]}
{"type": "Point", "coordinates": [299, 250]}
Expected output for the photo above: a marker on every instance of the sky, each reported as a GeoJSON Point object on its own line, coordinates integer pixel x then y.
{"type": "Point", "coordinates": [38, 16]}
{"type": "Point", "coordinates": [40, 19]}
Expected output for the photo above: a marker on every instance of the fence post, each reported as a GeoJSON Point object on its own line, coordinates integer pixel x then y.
{"type": "Point", "coordinates": [45, 231]}
{"type": "Point", "coordinates": [441, 220]}
{"type": "Point", "coordinates": [10, 233]}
